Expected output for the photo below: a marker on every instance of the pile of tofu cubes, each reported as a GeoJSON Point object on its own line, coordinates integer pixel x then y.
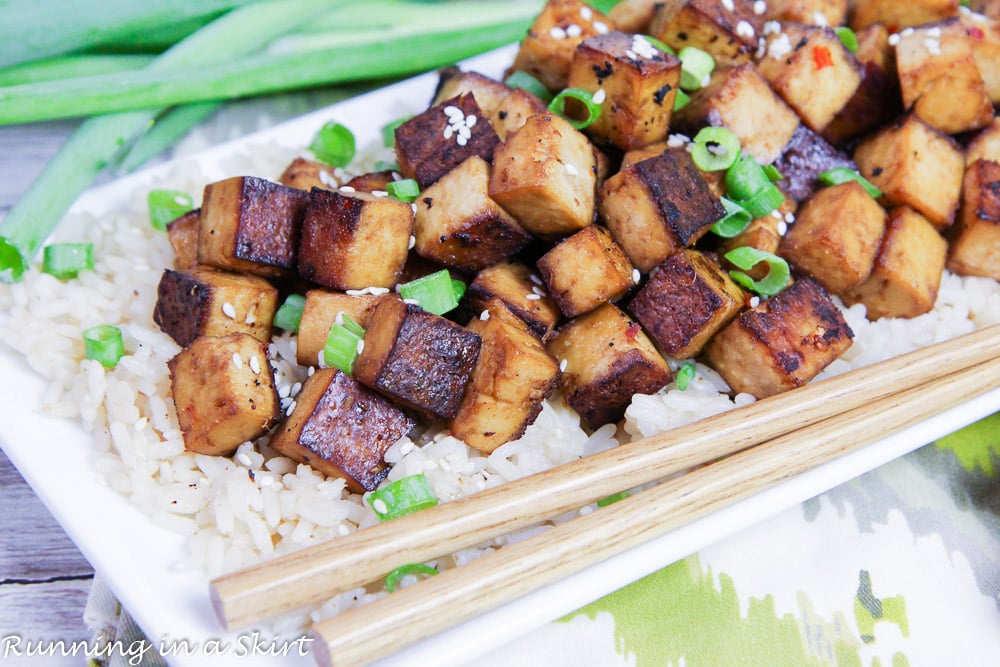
{"type": "Point", "coordinates": [587, 253]}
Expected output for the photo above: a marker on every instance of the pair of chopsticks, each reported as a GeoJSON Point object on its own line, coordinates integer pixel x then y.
{"type": "Point", "coordinates": [767, 442]}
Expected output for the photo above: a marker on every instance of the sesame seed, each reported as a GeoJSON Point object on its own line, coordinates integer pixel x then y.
{"type": "Point", "coordinates": [557, 33]}
{"type": "Point", "coordinates": [744, 29]}
{"type": "Point", "coordinates": [571, 170]}
{"type": "Point", "coordinates": [413, 242]}
{"type": "Point", "coordinates": [291, 408]}
{"type": "Point", "coordinates": [538, 290]}
{"type": "Point", "coordinates": [642, 46]}
{"type": "Point", "coordinates": [347, 189]}
{"type": "Point", "coordinates": [535, 279]}
{"type": "Point", "coordinates": [636, 275]}
{"type": "Point", "coordinates": [893, 40]}
{"type": "Point", "coordinates": [601, 27]}
{"type": "Point", "coordinates": [586, 13]}
{"type": "Point", "coordinates": [599, 96]}
{"type": "Point", "coordinates": [782, 228]}
{"type": "Point", "coordinates": [244, 458]}
{"type": "Point", "coordinates": [360, 347]}
{"type": "Point", "coordinates": [461, 141]}
{"type": "Point", "coordinates": [761, 48]}
{"type": "Point", "coordinates": [284, 390]}
{"type": "Point", "coordinates": [707, 79]}
{"type": "Point", "coordinates": [379, 506]}
{"type": "Point", "coordinates": [413, 207]}
{"type": "Point", "coordinates": [411, 302]}
{"type": "Point", "coordinates": [789, 217]}
{"type": "Point", "coordinates": [532, 297]}
{"type": "Point", "coordinates": [296, 388]}
{"type": "Point", "coordinates": [470, 120]}
{"type": "Point", "coordinates": [326, 179]}
{"type": "Point", "coordinates": [631, 54]}
{"type": "Point", "coordinates": [678, 140]}
{"type": "Point", "coordinates": [772, 28]}
{"type": "Point", "coordinates": [780, 47]}
{"type": "Point", "coordinates": [485, 315]}
{"type": "Point", "coordinates": [754, 301]}
{"type": "Point", "coordinates": [819, 18]}
{"type": "Point", "coordinates": [728, 5]}
{"type": "Point", "coordinates": [906, 32]}
{"type": "Point", "coordinates": [562, 365]}
{"type": "Point", "coordinates": [237, 360]}
{"type": "Point", "coordinates": [254, 364]}
{"type": "Point", "coordinates": [574, 31]}
{"type": "Point", "coordinates": [776, 214]}
{"type": "Point", "coordinates": [451, 111]}
{"type": "Point", "coordinates": [229, 310]}
{"type": "Point", "coordinates": [759, 7]}
{"type": "Point", "coordinates": [339, 319]}
{"type": "Point", "coordinates": [312, 369]}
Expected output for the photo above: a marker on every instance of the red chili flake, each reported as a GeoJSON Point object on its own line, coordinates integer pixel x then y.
{"type": "Point", "coordinates": [975, 33]}
{"type": "Point", "coordinates": [822, 57]}
{"type": "Point", "coordinates": [632, 331]}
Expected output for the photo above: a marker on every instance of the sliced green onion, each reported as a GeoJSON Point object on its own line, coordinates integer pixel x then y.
{"type": "Point", "coordinates": [389, 131]}
{"type": "Point", "coordinates": [405, 190]}
{"type": "Point", "coordinates": [104, 344]}
{"type": "Point", "coordinates": [734, 222]}
{"type": "Point", "coordinates": [165, 206]}
{"type": "Point", "coordinates": [747, 257]}
{"type": "Point", "coordinates": [382, 165]}
{"type": "Point", "coordinates": [613, 498]}
{"type": "Point", "coordinates": [558, 106]}
{"type": "Point", "coordinates": [839, 175]}
{"type": "Point", "coordinates": [715, 148]}
{"type": "Point", "coordinates": [526, 82]}
{"type": "Point", "coordinates": [289, 315]}
{"type": "Point", "coordinates": [435, 292]}
{"type": "Point", "coordinates": [745, 178]}
{"type": "Point", "coordinates": [393, 578]}
{"type": "Point", "coordinates": [66, 260]}
{"type": "Point", "coordinates": [768, 199]}
{"type": "Point", "coordinates": [772, 173]}
{"type": "Point", "coordinates": [681, 100]}
{"type": "Point", "coordinates": [658, 44]}
{"type": "Point", "coordinates": [847, 38]}
{"type": "Point", "coordinates": [333, 144]}
{"type": "Point", "coordinates": [345, 320]}
{"type": "Point", "coordinates": [459, 288]}
{"type": "Point", "coordinates": [684, 375]}
{"type": "Point", "coordinates": [402, 497]}
{"type": "Point", "coordinates": [696, 65]}
{"type": "Point", "coordinates": [342, 348]}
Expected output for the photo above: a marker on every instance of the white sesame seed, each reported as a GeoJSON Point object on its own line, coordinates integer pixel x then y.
{"type": "Point", "coordinates": [413, 207]}
{"type": "Point", "coordinates": [744, 29]}
{"type": "Point", "coordinates": [296, 388]}
{"type": "Point", "coordinates": [562, 365]}
{"type": "Point", "coordinates": [754, 301]}
{"type": "Point", "coordinates": [571, 170]}
{"type": "Point", "coordinates": [728, 5]}
{"type": "Point", "coordinates": [411, 302]}
{"type": "Point", "coordinates": [485, 315]}
{"type": "Point", "coordinates": [557, 33]}
{"type": "Point", "coordinates": [291, 408]}
{"type": "Point", "coordinates": [893, 40]}
{"type": "Point", "coordinates": [312, 369]}
{"type": "Point", "coordinates": [461, 141]}
{"type": "Point", "coordinates": [470, 120]}
{"type": "Point", "coordinates": [347, 189]}
{"type": "Point", "coordinates": [600, 27]}
{"type": "Point", "coordinates": [532, 297]}
{"type": "Point", "coordinates": [284, 390]}
{"type": "Point", "coordinates": [413, 242]}
{"type": "Point", "coordinates": [360, 347]}
{"type": "Point", "coordinates": [586, 13]}
{"type": "Point", "coordinates": [789, 217]}
{"type": "Point", "coordinates": [599, 96]}
{"type": "Point", "coordinates": [631, 54]}
{"type": "Point", "coordinates": [636, 275]}
{"type": "Point", "coordinates": [776, 214]}
{"type": "Point", "coordinates": [339, 319]}
{"type": "Point", "coordinates": [254, 364]}
{"type": "Point", "coordinates": [761, 48]}
{"type": "Point", "coordinates": [237, 360]}
{"type": "Point", "coordinates": [326, 179]}
{"type": "Point", "coordinates": [782, 228]}
{"type": "Point", "coordinates": [707, 79]}
{"type": "Point", "coordinates": [229, 310]}
{"type": "Point", "coordinates": [451, 111]}
{"type": "Point", "coordinates": [574, 31]}
{"type": "Point", "coordinates": [538, 290]}
{"type": "Point", "coordinates": [678, 140]}
{"type": "Point", "coordinates": [535, 279]}
{"type": "Point", "coordinates": [906, 32]}
{"type": "Point", "coordinates": [379, 506]}
{"type": "Point", "coordinates": [819, 19]}
{"type": "Point", "coordinates": [759, 7]}
{"type": "Point", "coordinates": [772, 28]}
{"type": "Point", "coordinates": [780, 47]}
{"type": "Point", "coordinates": [642, 46]}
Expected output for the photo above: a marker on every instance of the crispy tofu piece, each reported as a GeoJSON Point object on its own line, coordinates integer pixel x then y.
{"type": "Point", "coordinates": [341, 429]}
{"type": "Point", "coordinates": [584, 270]}
{"type": "Point", "coordinates": [320, 312]}
{"type": "Point", "coordinates": [183, 235]}
{"type": "Point", "coordinates": [639, 83]}
{"type": "Point", "coordinates": [782, 343]}
{"type": "Point", "coordinates": [520, 291]}
{"type": "Point", "coordinates": [835, 236]}
{"type": "Point", "coordinates": [544, 175]}
{"type": "Point", "coordinates": [897, 15]}
{"type": "Point", "coordinates": [914, 165]}
{"type": "Point", "coordinates": [458, 225]}
{"type": "Point", "coordinates": [658, 206]}
{"type": "Point", "coordinates": [939, 79]}
{"type": "Point", "coordinates": [223, 389]}
{"type": "Point", "coordinates": [813, 12]}
{"type": "Point", "coordinates": [304, 174]}
{"type": "Point", "coordinates": [547, 50]}
{"type": "Point", "coordinates": [432, 143]}
{"type": "Point", "coordinates": [984, 34]}
{"type": "Point", "coordinates": [354, 240]}
{"type": "Point", "coordinates": [975, 243]}
{"type": "Point", "coordinates": [606, 359]}
{"type": "Point", "coordinates": [687, 299]}
{"type": "Point", "coordinates": [416, 358]}
{"type": "Point", "coordinates": [907, 271]}
{"type": "Point", "coordinates": [372, 182]}
{"type": "Point", "coordinates": [512, 377]}
{"type": "Point", "coordinates": [740, 99]}
{"type": "Point", "coordinates": [633, 15]}
{"type": "Point", "coordinates": [206, 302]}
{"type": "Point", "coordinates": [984, 146]}
{"type": "Point", "coordinates": [803, 159]}
{"type": "Point", "coordinates": [730, 35]}
{"type": "Point", "coordinates": [506, 107]}
{"type": "Point", "coordinates": [251, 225]}
{"type": "Point", "coordinates": [812, 70]}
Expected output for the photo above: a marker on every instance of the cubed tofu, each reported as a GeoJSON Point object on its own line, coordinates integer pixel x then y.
{"type": "Point", "coordinates": [544, 175]}
{"type": "Point", "coordinates": [835, 236]}
{"type": "Point", "coordinates": [975, 243]}
{"type": "Point", "coordinates": [206, 302]}
{"type": "Point", "coordinates": [320, 312]}
{"type": "Point", "coordinates": [813, 12]}
{"type": "Point", "coordinates": [633, 15]}
{"type": "Point", "coordinates": [985, 145]}
{"type": "Point", "coordinates": [183, 235]}
{"type": "Point", "coordinates": [804, 158]}
{"type": "Point", "coordinates": [898, 15]}
{"type": "Point", "coordinates": [907, 272]}
{"type": "Point", "coordinates": [304, 174]}
{"type": "Point", "coordinates": [512, 377]}
{"type": "Point", "coordinates": [812, 70]}
{"type": "Point", "coordinates": [639, 83]}
{"type": "Point", "coordinates": [341, 429]}
{"type": "Point", "coordinates": [506, 107]}
{"type": "Point", "coordinates": [436, 141]}
{"type": "Point", "coordinates": [252, 225]}
{"type": "Point", "coordinates": [658, 206]}
{"type": "Point", "coordinates": [687, 299]}
{"type": "Point", "coordinates": [782, 343]}
{"type": "Point", "coordinates": [223, 389]}
{"type": "Point", "coordinates": [354, 240]}
{"type": "Point", "coordinates": [417, 359]}
{"type": "Point", "coordinates": [458, 225]}
{"type": "Point", "coordinates": [916, 166]}
{"type": "Point", "coordinates": [521, 292]}
{"type": "Point", "coordinates": [740, 99]}
{"type": "Point", "coordinates": [547, 50]}
{"type": "Point", "coordinates": [606, 358]}
{"type": "Point", "coordinates": [585, 270]}
{"type": "Point", "coordinates": [729, 34]}
{"type": "Point", "coordinates": [939, 79]}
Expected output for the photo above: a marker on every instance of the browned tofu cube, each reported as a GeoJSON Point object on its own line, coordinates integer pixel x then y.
{"type": "Point", "coordinates": [321, 311]}
{"type": "Point", "coordinates": [252, 225]}
{"type": "Point", "coordinates": [639, 84]}
{"type": "Point", "coordinates": [354, 240]}
{"type": "Point", "coordinates": [633, 15]}
{"type": "Point", "coordinates": [183, 235]}
{"type": "Point", "coordinates": [458, 225]}
{"type": "Point", "coordinates": [341, 429]}
{"type": "Point", "coordinates": [606, 359]}
{"type": "Point", "coordinates": [519, 290]}
{"type": "Point", "coordinates": [585, 270]}
{"type": "Point", "coordinates": [729, 34]}
{"type": "Point", "coordinates": [658, 206]}
{"type": "Point", "coordinates": [804, 158]}
{"type": "Point", "coordinates": [740, 99]}
{"type": "Point", "coordinates": [984, 32]}
{"type": "Point", "coordinates": [506, 108]}
{"type": "Point", "coordinates": [544, 175]}
{"type": "Point", "coordinates": [835, 236]}
{"type": "Point", "coordinates": [907, 272]}
{"type": "Point", "coordinates": [814, 12]}
{"type": "Point", "coordinates": [939, 79]}
{"type": "Point", "coordinates": [223, 389]}
{"type": "Point", "coordinates": [206, 302]}
{"type": "Point", "coordinates": [416, 358]}
{"type": "Point", "coordinates": [975, 243]}
{"type": "Point", "coordinates": [547, 50]}
{"type": "Point", "coordinates": [782, 343]}
{"type": "Point", "coordinates": [686, 300]}
{"type": "Point", "coordinates": [433, 143]}
{"type": "Point", "coordinates": [512, 377]}
{"type": "Point", "coordinates": [304, 174]}
{"type": "Point", "coordinates": [372, 182]}
{"type": "Point", "coordinates": [985, 145]}
{"type": "Point", "coordinates": [812, 70]}
{"type": "Point", "coordinates": [897, 15]}
{"type": "Point", "coordinates": [916, 166]}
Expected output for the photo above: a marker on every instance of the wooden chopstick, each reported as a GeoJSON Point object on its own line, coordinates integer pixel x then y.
{"type": "Point", "coordinates": [366, 633]}
{"type": "Point", "coordinates": [316, 573]}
